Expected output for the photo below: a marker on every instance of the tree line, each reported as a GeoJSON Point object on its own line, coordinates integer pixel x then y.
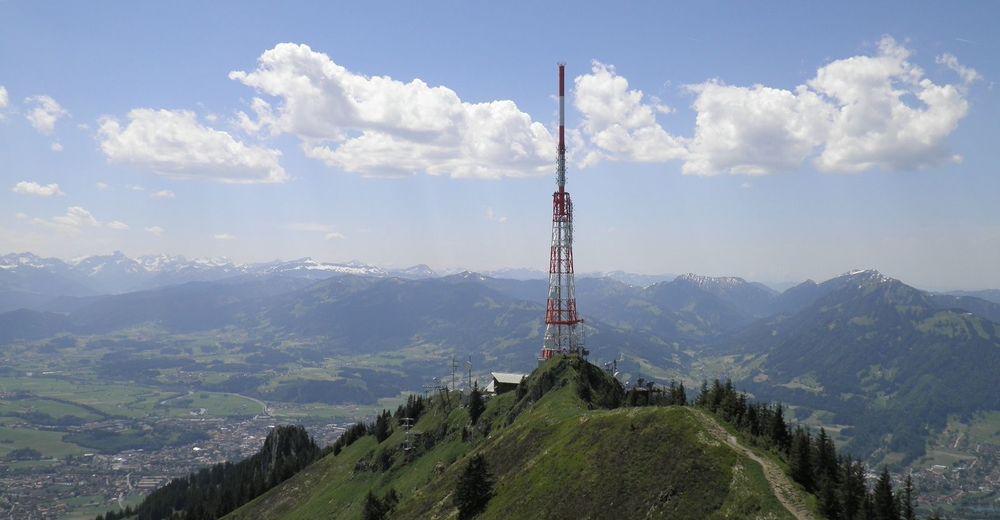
{"type": "Point", "coordinates": [218, 490]}
{"type": "Point", "coordinates": [839, 481]}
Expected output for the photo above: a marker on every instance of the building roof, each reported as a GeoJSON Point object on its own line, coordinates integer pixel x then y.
{"type": "Point", "coordinates": [508, 378]}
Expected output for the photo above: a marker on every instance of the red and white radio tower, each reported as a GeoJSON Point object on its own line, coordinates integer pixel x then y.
{"type": "Point", "coordinates": [563, 333]}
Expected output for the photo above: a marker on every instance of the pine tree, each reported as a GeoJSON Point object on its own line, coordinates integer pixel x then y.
{"type": "Point", "coordinates": [703, 395]}
{"type": "Point", "coordinates": [382, 428]}
{"type": "Point", "coordinates": [376, 508]}
{"type": "Point", "coordinates": [825, 458]}
{"type": "Point", "coordinates": [778, 430]}
{"type": "Point", "coordinates": [884, 501]}
{"type": "Point", "coordinates": [868, 508]}
{"type": "Point", "coordinates": [801, 459]}
{"type": "Point", "coordinates": [474, 488]}
{"type": "Point", "coordinates": [908, 511]}
{"type": "Point", "coordinates": [829, 503]}
{"type": "Point", "coordinates": [476, 405]}
{"type": "Point", "coordinates": [852, 489]}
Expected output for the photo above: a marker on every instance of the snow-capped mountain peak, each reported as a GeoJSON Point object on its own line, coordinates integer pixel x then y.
{"type": "Point", "coordinates": [710, 281]}
{"type": "Point", "coordinates": [308, 265]}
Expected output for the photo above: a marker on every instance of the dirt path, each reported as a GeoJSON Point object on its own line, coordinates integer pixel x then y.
{"type": "Point", "coordinates": [781, 486]}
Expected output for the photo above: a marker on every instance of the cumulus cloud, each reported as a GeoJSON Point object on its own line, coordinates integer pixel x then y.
{"type": "Point", "coordinates": [4, 100]}
{"type": "Point", "coordinates": [163, 194]}
{"type": "Point", "coordinates": [754, 131]}
{"type": "Point", "coordinates": [856, 114]}
{"type": "Point", "coordinates": [37, 190]}
{"type": "Point", "coordinates": [102, 186]}
{"type": "Point", "coordinates": [155, 230]}
{"type": "Point", "coordinates": [56, 147]}
{"type": "Point", "coordinates": [174, 144]}
{"type": "Point", "coordinates": [335, 236]}
{"type": "Point", "coordinates": [620, 122]}
{"type": "Point", "coordinates": [379, 126]}
{"type": "Point", "coordinates": [45, 114]}
{"type": "Point", "coordinates": [224, 236]}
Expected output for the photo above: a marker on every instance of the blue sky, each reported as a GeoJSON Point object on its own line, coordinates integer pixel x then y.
{"type": "Point", "coordinates": [776, 142]}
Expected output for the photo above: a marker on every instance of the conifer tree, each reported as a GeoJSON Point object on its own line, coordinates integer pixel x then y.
{"type": "Point", "coordinates": [476, 405]}
{"type": "Point", "coordinates": [801, 458]}
{"type": "Point", "coordinates": [474, 488]}
{"type": "Point", "coordinates": [382, 428]}
{"type": "Point", "coordinates": [884, 501]}
{"type": "Point", "coordinates": [908, 510]}
{"type": "Point", "coordinates": [825, 458]}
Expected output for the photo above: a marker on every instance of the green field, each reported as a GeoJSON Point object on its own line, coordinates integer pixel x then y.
{"type": "Point", "coordinates": [49, 443]}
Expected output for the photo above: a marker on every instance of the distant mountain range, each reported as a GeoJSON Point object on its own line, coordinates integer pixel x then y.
{"type": "Point", "coordinates": [863, 349]}
{"type": "Point", "coordinates": [28, 280]}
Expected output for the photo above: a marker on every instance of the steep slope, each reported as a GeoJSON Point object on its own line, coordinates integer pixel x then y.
{"type": "Point", "coordinates": [884, 356]}
{"type": "Point", "coordinates": [708, 306]}
{"type": "Point", "coordinates": [555, 451]}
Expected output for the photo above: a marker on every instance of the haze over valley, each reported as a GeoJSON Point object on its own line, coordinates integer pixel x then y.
{"type": "Point", "coordinates": [509, 260]}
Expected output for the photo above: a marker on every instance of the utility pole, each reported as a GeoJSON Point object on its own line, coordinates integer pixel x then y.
{"type": "Point", "coordinates": [468, 367]}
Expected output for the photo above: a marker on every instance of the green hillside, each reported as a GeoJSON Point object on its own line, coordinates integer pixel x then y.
{"type": "Point", "coordinates": [558, 447]}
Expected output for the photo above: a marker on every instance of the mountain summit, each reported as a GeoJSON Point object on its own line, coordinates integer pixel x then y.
{"type": "Point", "coordinates": [557, 447]}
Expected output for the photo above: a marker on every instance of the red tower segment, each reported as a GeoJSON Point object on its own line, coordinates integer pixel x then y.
{"type": "Point", "coordinates": [563, 333]}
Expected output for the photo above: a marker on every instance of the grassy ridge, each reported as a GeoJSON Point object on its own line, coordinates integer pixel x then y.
{"type": "Point", "coordinates": [555, 453]}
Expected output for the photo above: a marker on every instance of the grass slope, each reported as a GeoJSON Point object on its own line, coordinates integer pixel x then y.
{"type": "Point", "coordinates": [556, 451]}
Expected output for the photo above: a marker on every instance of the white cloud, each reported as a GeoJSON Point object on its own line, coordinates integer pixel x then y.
{"type": "Point", "coordinates": [56, 147]}
{"type": "Point", "coordinates": [102, 186]}
{"type": "Point", "coordinates": [379, 126]}
{"type": "Point", "coordinates": [493, 217]}
{"type": "Point", "coordinates": [37, 190]}
{"type": "Point", "coordinates": [617, 121]}
{"type": "Point", "coordinates": [163, 194]}
{"type": "Point", "coordinates": [856, 114]}
{"type": "Point", "coordinates": [754, 131]}
{"type": "Point", "coordinates": [155, 230]}
{"type": "Point", "coordinates": [874, 126]}
{"type": "Point", "coordinates": [75, 220]}
{"type": "Point", "coordinates": [224, 236]}
{"type": "Point", "coordinates": [968, 75]}
{"type": "Point", "coordinates": [174, 144]}
{"type": "Point", "coordinates": [135, 187]}
{"type": "Point", "coordinates": [4, 101]}
{"type": "Point", "coordinates": [335, 236]}
{"type": "Point", "coordinates": [46, 113]}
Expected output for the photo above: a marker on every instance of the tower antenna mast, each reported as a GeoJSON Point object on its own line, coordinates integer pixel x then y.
{"type": "Point", "coordinates": [563, 333]}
